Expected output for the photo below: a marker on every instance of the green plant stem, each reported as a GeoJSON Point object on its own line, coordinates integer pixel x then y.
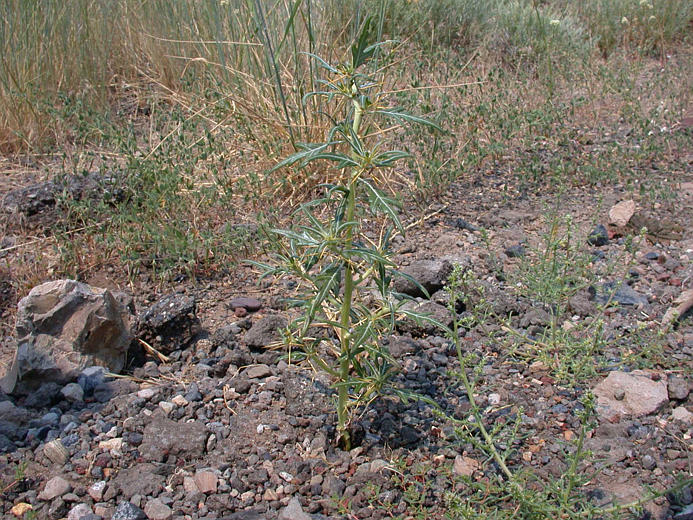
{"type": "Point", "coordinates": [345, 336]}
{"type": "Point", "coordinates": [472, 402]}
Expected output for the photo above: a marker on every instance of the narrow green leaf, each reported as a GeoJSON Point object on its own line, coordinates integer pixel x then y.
{"type": "Point", "coordinates": [380, 201]}
{"type": "Point", "coordinates": [401, 115]}
{"type": "Point", "coordinates": [289, 24]}
{"type": "Point", "coordinates": [329, 279]}
{"type": "Point", "coordinates": [309, 149]}
{"type": "Point", "coordinates": [387, 158]}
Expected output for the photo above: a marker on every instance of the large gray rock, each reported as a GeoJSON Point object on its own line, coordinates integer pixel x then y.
{"type": "Point", "coordinates": [632, 394]}
{"type": "Point", "coordinates": [430, 274]}
{"type": "Point", "coordinates": [63, 327]}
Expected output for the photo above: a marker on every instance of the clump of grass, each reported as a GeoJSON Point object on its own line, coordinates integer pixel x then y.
{"type": "Point", "coordinates": [647, 26]}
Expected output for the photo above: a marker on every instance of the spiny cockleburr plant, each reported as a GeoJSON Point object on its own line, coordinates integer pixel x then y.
{"type": "Point", "coordinates": [346, 276]}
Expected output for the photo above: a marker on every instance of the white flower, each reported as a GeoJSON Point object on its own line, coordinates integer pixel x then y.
{"type": "Point", "coordinates": [624, 21]}
{"type": "Point", "coordinates": [555, 22]}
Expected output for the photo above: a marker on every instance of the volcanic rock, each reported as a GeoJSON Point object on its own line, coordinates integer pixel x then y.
{"type": "Point", "coordinates": [430, 274]}
{"type": "Point", "coordinates": [639, 395]}
{"type": "Point", "coordinates": [63, 327]}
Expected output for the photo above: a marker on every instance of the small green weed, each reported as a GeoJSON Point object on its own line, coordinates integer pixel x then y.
{"type": "Point", "coordinates": [335, 259]}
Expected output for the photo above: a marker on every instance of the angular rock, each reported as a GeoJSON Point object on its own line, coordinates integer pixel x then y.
{"type": "Point", "coordinates": [65, 326]}
{"type": "Point", "coordinates": [42, 197]}
{"type": "Point", "coordinates": [581, 303]}
{"type": "Point", "coordinates": [515, 251]}
{"type": "Point", "coordinates": [31, 199]}
{"type": "Point", "coordinates": [43, 397]}
{"type": "Point", "coordinates": [258, 371]}
{"type": "Point", "coordinates": [265, 331]}
{"type": "Point", "coordinates": [140, 479]}
{"type": "Point", "coordinates": [465, 466]}
{"type": "Point", "coordinates": [400, 346]}
{"type": "Point", "coordinates": [163, 437]}
{"type": "Point", "coordinates": [599, 236]}
{"type": "Point", "coordinates": [293, 511]}
{"type": "Point", "coordinates": [639, 394]}
{"type": "Point", "coordinates": [535, 316]}
{"type": "Point", "coordinates": [171, 323]}
{"type": "Point", "coordinates": [128, 511]}
{"type": "Point", "coordinates": [206, 481]}
{"type": "Point", "coordinates": [6, 445]}
{"type": "Point", "coordinates": [79, 512]}
{"type": "Point", "coordinates": [427, 308]}
{"type": "Point", "coordinates": [55, 487]}
{"type": "Point", "coordinates": [157, 510]}
{"type": "Point", "coordinates": [73, 393]}
{"type": "Point", "coordinates": [56, 452]}
{"type": "Point", "coordinates": [9, 413]}
{"type": "Point", "coordinates": [96, 490]}
{"type": "Point", "coordinates": [90, 378]}
{"type": "Point", "coordinates": [620, 293]}
{"type": "Point", "coordinates": [430, 274]}
{"type": "Point", "coordinates": [620, 213]}
{"type": "Point", "coordinates": [682, 414]}
{"type": "Point", "coordinates": [678, 388]}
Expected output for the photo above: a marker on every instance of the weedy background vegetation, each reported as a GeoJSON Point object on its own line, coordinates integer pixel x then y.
{"type": "Point", "coordinates": [191, 102]}
{"type": "Point", "coordinates": [181, 108]}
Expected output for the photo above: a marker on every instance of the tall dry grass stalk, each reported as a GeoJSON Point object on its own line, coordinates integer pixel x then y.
{"type": "Point", "coordinates": [251, 53]}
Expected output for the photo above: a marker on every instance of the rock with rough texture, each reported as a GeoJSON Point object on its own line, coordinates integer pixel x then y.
{"type": "Point", "coordinates": [465, 466]}
{"type": "Point", "coordinates": [206, 481]}
{"type": "Point", "coordinates": [621, 294]}
{"type": "Point", "coordinates": [171, 323]}
{"type": "Point", "coordinates": [157, 510]}
{"type": "Point", "coordinates": [163, 437]}
{"type": "Point", "coordinates": [140, 479]}
{"type": "Point", "coordinates": [56, 452]}
{"type": "Point", "coordinates": [73, 393]}
{"type": "Point", "coordinates": [682, 414]}
{"type": "Point", "coordinates": [55, 487]}
{"type": "Point", "coordinates": [620, 213]}
{"type": "Point", "coordinates": [265, 331]}
{"type": "Point", "coordinates": [599, 236]}
{"type": "Point", "coordinates": [293, 511]}
{"type": "Point", "coordinates": [422, 327]}
{"type": "Point", "coordinates": [79, 512]}
{"type": "Point", "coordinates": [678, 388]}
{"type": "Point", "coordinates": [31, 200]}
{"type": "Point", "coordinates": [581, 303]}
{"type": "Point", "coordinates": [400, 346]}
{"type": "Point", "coordinates": [430, 274]}
{"type": "Point", "coordinates": [258, 371]}
{"type": "Point", "coordinates": [12, 414]}
{"type": "Point", "coordinates": [629, 394]}
{"type": "Point", "coordinates": [65, 326]}
{"type": "Point", "coordinates": [128, 511]}
{"type": "Point", "coordinates": [42, 197]}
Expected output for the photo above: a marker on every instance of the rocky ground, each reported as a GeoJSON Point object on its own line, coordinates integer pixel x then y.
{"type": "Point", "coordinates": [218, 425]}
